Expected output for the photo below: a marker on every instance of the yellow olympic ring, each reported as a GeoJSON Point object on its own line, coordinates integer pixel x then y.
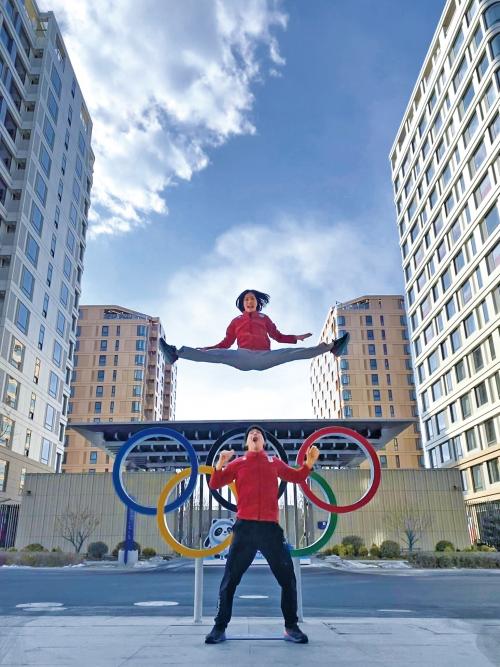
{"type": "Point", "coordinates": [161, 518]}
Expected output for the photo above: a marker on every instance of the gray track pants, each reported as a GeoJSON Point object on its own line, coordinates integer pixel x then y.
{"type": "Point", "coordinates": [253, 360]}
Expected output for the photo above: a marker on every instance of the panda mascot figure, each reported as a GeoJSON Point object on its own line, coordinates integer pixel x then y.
{"type": "Point", "coordinates": [217, 533]}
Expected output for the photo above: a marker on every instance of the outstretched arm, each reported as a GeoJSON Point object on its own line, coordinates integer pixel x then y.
{"type": "Point", "coordinates": [273, 332]}
{"type": "Point", "coordinates": [227, 341]}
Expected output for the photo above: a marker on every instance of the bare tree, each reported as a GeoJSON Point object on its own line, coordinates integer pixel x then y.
{"type": "Point", "coordinates": [76, 526]}
{"type": "Point", "coordinates": [409, 523]}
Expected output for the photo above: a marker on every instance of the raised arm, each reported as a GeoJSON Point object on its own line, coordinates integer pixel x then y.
{"type": "Point", "coordinates": [223, 474]}
{"type": "Point", "coordinates": [298, 475]}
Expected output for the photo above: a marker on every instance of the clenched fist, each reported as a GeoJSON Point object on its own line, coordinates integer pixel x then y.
{"type": "Point", "coordinates": [312, 456]}
{"type": "Point", "coordinates": [225, 456]}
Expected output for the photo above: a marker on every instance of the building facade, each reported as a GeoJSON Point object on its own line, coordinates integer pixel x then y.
{"type": "Point", "coordinates": [446, 175]}
{"type": "Point", "coordinates": [374, 379]}
{"type": "Point", "coordinates": [46, 171]}
{"type": "Point", "coordinates": [120, 374]}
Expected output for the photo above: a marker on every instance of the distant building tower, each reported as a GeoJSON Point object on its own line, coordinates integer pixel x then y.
{"type": "Point", "coordinates": [375, 378]}
{"type": "Point", "coordinates": [120, 374]}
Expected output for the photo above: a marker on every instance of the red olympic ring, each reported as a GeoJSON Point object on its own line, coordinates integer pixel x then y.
{"type": "Point", "coordinates": [375, 470]}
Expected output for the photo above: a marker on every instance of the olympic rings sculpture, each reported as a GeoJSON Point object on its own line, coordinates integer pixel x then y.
{"type": "Point", "coordinates": [163, 507]}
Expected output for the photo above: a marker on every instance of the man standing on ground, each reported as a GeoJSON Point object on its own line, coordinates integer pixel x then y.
{"type": "Point", "coordinates": [256, 528]}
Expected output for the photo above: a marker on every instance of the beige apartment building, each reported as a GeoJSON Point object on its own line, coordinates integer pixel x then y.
{"type": "Point", "coordinates": [120, 374]}
{"type": "Point", "coordinates": [374, 379]}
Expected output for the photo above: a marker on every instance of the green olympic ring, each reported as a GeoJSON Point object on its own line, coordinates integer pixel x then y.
{"type": "Point", "coordinates": [331, 525]}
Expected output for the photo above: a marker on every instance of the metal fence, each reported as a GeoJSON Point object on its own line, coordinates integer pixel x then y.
{"type": "Point", "coordinates": [9, 515]}
{"type": "Point", "coordinates": [484, 522]}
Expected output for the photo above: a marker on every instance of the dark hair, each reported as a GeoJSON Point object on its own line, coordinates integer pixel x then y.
{"type": "Point", "coordinates": [262, 299]}
{"type": "Point", "coordinates": [251, 428]}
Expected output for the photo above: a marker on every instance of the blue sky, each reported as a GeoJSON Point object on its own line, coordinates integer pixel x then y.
{"type": "Point", "coordinates": [252, 152]}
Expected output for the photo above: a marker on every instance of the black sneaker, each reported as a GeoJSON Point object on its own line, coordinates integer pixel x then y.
{"type": "Point", "coordinates": [215, 636]}
{"type": "Point", "coordinates": [340, 345]}
{"type": "Point", "coordinates": [170, 351]}
{"type": "Point", "coordinates": [295, 634]}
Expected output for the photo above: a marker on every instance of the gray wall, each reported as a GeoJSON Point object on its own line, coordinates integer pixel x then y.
{"type": "Point", "coordinates": [435, 494]}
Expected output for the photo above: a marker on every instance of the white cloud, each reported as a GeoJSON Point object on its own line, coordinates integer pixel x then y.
{"type": "Point", "coordinates": [305, 265]}
{"type": "Point", "coordinates": [164, 82]}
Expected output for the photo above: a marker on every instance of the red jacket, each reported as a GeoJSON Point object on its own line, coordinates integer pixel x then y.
{"type": "Point", "coordinates": [252, 332]}
{"type": "Point", "coordinates": [256, 475]}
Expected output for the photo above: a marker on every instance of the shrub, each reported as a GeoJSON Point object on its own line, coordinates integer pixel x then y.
{"type": "Point", "coordinates": [390, 549]}
{"type": "Point", "coordinates": [40, 559]}
{"type": "Point", "coordinates": [148, 552]}
{"type": "Point", "coordinates": [56, 550]}
{"type": "Point", "coordinates": [348, 549]}
{"type": "Point", "coordinates": [34, 547]}
{"type": "Point", "coordinates": [375, 551]}
{"type": "Point", "coordinates": [355, 541]}
{"type": "Point", "coordinates": [444, 545]}
{"type": "Point", "coordinates": [449, 560]}
{"type": "Point", "coordinates": [121, 545]}
{"type": "Point", "coordinates": [97, 550]}
{"type": "Point", "coordinates": [363, 552]}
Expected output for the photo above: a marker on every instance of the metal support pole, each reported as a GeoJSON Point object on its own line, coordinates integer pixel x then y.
{"type": "Point", "coordinates": [298, 577]}
{"type": "Point", "coordinates": [198, 590]}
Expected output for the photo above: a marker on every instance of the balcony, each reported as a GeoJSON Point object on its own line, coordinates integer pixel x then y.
{"type": "Point", "coordinates": [7, 233]}
{"type": "Point", "coordinates": [22, 140]}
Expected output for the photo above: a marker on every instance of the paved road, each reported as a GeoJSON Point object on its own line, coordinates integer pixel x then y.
{"type": "Point", "coordinates": [327, 592]}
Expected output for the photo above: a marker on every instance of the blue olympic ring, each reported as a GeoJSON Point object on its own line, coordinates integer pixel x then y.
{"type": "Point", "coordinates": [132, 442]}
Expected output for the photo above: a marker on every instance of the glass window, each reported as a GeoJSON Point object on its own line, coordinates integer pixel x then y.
{"type": "Point", "coordinates": [53, 384]}
{"type": "Point", "coordinates": [67, 267]}
{"type": "Point", "coordinates": [481, 394]}
{"type": "Point", "coordinates": [4, 470]}
{"type": "Point", "coordinates": [102, 360]}
{"type": "Point", "coordinates": [57, 354]}
{"type": "Point", "coordinates": [477, 478]}
{"type": "Point", "coordinates": [11, 392]}
{"type": "Point", "coordinates": [493, 471]}
{"type": "Point", "coordinates": [60, 323]}
{"type": "Point", "coordinates": [482, 190]}
{"type": "Point", "coordinates": [27, 283]}
{"type": "Point", "coordinates": [495, 46]}
{"type": "Point", "coordinates": [32, 250]}
{"type": "Point", "coordinates": [48, 132]}
{"type": "Point", "coordinates": [456, 340]}
{"type": "Point", "coordinates": [471, 128]}
{"type": "Point", "coordinates": [22, 317]}
{"type": "Point", "coordinates": [493, 259]}
{"type": "Point", "coordinates": [490, 223]}
{"type": "Point", "coordinates": [490, 432]}
{"type": "Point", "coordinates": [56, 81]}
{"type": "Point", "coordinates": [52, 106]}
{"type": "Point", "coordinates": [482, 67]}
{"type": "Point", "coordinates": [45, 451]}
{"type": "Point", "coordinates": [477, 159]}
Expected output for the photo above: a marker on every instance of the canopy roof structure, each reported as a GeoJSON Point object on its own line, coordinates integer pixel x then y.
{"type": "Point", "coordinates": [166, 454]}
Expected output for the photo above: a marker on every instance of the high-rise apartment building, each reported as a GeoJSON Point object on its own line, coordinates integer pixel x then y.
{"type": "Point", "coordinates": [120, 374]}
{"type": "Point", "coordinates": [46, 166]}
{"type": "Point", "coordinates": [446, 173]}
{"type": "Point", "coordinates": [374, 379]}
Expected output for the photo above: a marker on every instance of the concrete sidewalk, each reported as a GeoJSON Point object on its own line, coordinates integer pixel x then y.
{"type": "Point", "coordinates": [115, 641]}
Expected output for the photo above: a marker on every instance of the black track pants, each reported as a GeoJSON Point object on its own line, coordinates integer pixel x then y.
{"type": "Point", "coordinates": [268, 538]}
